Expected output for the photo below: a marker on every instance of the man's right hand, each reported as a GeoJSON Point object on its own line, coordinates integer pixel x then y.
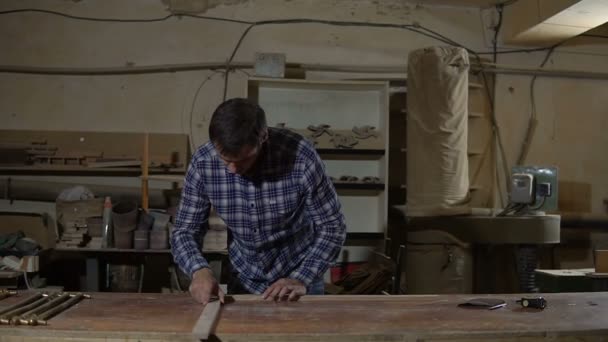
{"type": "Point", "coordinates": [204, 286]}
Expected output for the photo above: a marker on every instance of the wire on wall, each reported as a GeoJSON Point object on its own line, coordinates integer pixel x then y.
{"type": "Point", "coordinates": [191, 115]}
{"type": "Point", "coordinates": [416, 28]}
{"type": "Point", "coordinates": [532, 122]}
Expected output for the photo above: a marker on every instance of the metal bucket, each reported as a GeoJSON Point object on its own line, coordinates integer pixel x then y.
{"type": "Point", "coordinates": [124, 216]}
{"type": "Point", "coordinates": [123, 239]}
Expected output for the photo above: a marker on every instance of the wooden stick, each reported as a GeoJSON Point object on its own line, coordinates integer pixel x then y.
{"type": "Point", "coordinates": [144, 173]}
{"type": "Point", "coordinates": [206, 322]}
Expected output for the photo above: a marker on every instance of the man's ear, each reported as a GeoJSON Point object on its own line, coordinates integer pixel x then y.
{"type": "Point", "coordinates": [264, 136]}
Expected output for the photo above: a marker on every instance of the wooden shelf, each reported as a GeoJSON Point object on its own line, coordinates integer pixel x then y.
{"type": "Point", "coordinates": [68, 170]}
{"type": "Point", "coordinates": [364, 236]}
{"type": "Point", "coordinates": [471, 188]}
{"type": "Point", "coordinates": [165, 177]}
{"type": "Point", "coordinates": [359, 186]}
{"type": "Point", "coordinates": [354, 153]}
{"type": "Point", "coordinates": [10, 274]}
{"type": "Point", "coordinates": [124, 250]}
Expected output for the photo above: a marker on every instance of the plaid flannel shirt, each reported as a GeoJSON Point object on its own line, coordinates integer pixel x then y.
{"type": "Point", "coordinates": [284, 219]}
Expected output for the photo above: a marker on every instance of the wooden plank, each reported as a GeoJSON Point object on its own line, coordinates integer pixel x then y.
{"type": "Point", "coordinates": [144, 173]}
{"type": "Point", "coordinates": [206, 322]}
{"type": "Point", "coordinates": [124, 163]}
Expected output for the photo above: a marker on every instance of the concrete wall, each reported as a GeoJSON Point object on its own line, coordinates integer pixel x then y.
{"type": "Point", "coordinates": [572, 113]}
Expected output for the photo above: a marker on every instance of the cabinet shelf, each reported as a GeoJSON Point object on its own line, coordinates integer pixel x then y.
{"type": "Point", "coordinates": [342, 153]}
{"type": "Point", "coordinates": [359, 189]}
{"type": "Point", "coordinates": [126, 250]}
{"type": "Point", "coordinates": [471, 188]}
{"type": "Point", "coordinates": [341, 105]}
{"type": "Point", "coordinates": [365, 236]}
{"type": "Point", "coordinates": [359, 186]}
{"type": "Point", "coordinates": [66, 170]}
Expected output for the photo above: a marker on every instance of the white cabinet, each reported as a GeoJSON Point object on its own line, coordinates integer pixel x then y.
{"type": "Point", "coordinates": [342, 105]}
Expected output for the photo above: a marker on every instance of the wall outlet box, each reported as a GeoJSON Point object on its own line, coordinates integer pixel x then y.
{"type": "Point", "coordinates": [522, 188]}
{"type": "Point", "coordinates": [270, 65]}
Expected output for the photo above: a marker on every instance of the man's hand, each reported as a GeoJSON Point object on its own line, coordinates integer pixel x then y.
{"type": "Point", "coordinates": [285, 289]}
{"type": "Point", "coordinates": [204, 286]}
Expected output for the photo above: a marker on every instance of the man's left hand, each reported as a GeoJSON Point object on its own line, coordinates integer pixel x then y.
{"type": "Point", "coordinates": [285, 289]}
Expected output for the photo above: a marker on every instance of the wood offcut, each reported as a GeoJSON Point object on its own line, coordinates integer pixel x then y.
{"type": "Point", "coordinates": [207, 321]}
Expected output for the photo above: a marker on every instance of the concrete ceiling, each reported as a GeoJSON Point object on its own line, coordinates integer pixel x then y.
{"type": "Point", "coordinates": [542, 22]}
{"type": "Point", "coordinates": [463, 3]}
{"type": "Point", "coordinates": [547, 22]}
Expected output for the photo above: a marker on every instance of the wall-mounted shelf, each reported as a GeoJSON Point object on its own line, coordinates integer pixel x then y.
{"type": "Point", "coordinates": [123, 250]}
{"type": "Point", "coordinates": [342, 105]}
{"type": "Point", "coordinates": [66, 170]}
{"type": "Point", "coordinates": [355, 153]}
{"type": "Point", "coordinates": [359, 186]}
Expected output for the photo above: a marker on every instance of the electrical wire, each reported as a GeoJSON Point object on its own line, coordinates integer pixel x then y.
{"type": "Point", "coordinates": [234, 51]}
{"type": "Point", "coordinates": [243, 72]}
{"type": "Point", "coordinates": [542, 202]}
{"type": "Point", "coordinates": [532, 122]}
{"type": "Point", "coordinates": [191, 115]}
{"type": "Point", "coordinates": [417, 28]}
{"type": "Point", "coordinates": [499, 9]}
{"type": "Point", "coordinates": [411, 27]}
{"type": "Point", "coordinates": [150, 20]}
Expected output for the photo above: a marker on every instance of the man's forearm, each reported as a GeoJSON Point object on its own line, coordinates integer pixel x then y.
{"type": "Point", "coordinates": [187, 251]}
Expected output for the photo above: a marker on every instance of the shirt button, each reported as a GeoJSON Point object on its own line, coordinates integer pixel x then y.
{"type": "Point", "coordinates": [255, 230]}
{"type": "Point", "coordinates": [252, 205]}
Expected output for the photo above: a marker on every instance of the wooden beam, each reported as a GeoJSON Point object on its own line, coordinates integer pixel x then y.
{"type": "Point", "coordinates": [206, 322]}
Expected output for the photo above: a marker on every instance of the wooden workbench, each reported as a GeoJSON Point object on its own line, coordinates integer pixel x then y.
{"type": "Point", "coordinates": [171, 317]}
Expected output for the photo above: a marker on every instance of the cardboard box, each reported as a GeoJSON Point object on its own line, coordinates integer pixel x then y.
{"type": "Point", "coordinates": [601, 260]}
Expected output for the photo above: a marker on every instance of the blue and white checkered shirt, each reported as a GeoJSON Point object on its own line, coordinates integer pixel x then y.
{"type": "Point", "coordinates": [284, 218]}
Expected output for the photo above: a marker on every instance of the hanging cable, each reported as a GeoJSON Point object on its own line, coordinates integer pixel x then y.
{"type": "Point", "coordinates": [532, 122]}
{"type": "Point", "coordinates": [191, 115]}
{"type": "Point", "coordinates": [499, 9]}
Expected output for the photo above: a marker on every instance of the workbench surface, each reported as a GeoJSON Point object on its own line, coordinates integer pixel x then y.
{"type": "Point", "coordinates": [171, 317]}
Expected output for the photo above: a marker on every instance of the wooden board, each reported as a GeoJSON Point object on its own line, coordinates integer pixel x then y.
{"type": "Point", "coordinates": [160, 317]}
{"type": "Point", "coordinates": [206, 323]}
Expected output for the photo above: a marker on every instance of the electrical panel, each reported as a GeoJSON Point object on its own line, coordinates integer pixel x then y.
{"type": "Point", "coordinates": [535, 186]}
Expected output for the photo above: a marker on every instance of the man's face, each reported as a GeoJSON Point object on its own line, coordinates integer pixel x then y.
{"type": "Point", "coordinates": [243, 161]}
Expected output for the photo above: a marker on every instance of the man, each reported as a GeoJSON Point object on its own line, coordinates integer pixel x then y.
{"type": "Point", "coordinates": [269, 186]}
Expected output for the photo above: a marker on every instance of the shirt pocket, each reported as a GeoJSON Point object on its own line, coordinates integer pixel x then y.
{"type": "Point", "coordinates": [283, 209]}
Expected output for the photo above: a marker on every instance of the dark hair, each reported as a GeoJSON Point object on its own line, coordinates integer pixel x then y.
{"type": "Point", "coordinates": [236, 123]}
